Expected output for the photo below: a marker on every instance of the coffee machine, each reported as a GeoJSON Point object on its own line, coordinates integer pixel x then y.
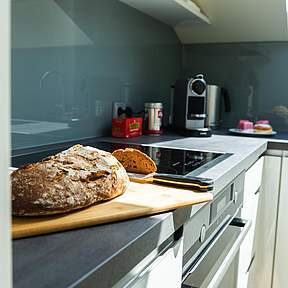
{"type": "Point", "coordinates": [190, 107]}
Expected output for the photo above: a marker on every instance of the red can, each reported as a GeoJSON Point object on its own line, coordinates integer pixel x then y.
{"type": "Point", "coordinates": [127, 127]}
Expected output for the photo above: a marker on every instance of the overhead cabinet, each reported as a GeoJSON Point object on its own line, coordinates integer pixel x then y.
{"type": "Point", "coordinates": [231, 21]}
{"type": "Point", "coordinates": [171, 12]}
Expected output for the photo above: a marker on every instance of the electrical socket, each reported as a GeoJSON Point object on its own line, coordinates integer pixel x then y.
{"type": "Point", "coordinates": [99, 108]}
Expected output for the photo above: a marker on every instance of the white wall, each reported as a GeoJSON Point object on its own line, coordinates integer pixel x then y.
{"type": "Point", "coordinates": [5, 242]}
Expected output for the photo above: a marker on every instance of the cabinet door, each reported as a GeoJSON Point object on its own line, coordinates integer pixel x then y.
{"type": "Point", "coordinates": [5, 259]}
{"type": "Point", "coordinates": [253, 179]}
{"type": "Point", "coordinates": [230, 278]}
{"type": "Point", "coordinates": [165, 271]}
{"type": "Point", "coordinates": [260, 275]}
{"type": "Point", "coordinates": [281, 252]}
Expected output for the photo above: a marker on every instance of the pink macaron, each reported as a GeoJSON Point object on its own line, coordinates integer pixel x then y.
{"type": "Point", "coordinates": [262, 122]}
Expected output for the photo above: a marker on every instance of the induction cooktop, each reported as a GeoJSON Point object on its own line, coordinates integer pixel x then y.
{"type": "Point", "coordinates": [184, 162]}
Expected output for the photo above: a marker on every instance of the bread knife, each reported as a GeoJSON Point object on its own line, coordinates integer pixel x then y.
{"type": "Point", "coordinates": [193, 183]}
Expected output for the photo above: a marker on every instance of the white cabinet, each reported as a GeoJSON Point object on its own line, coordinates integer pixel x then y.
{"type": "Point", "coordinates": [171, 12]}
{"type": "Point", "coordinates": [280, 275]}
{"type": "Point", "coordinates": [260, 275]}
{"type": "Point", "coordinates": [238, 21]}
{"type": "Point", "coordinates": [5, 247]}
{"type": "Point", "coordinates": [230, 277]}
{"type": "Point", "coordinates": [231, 21]}
{"type": "Point", "coordinates": [165, 271]}
{"type": "Point", "coordinates": [253, 179]}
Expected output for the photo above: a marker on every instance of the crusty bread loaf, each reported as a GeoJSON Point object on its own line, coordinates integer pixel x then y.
{"type": "Point", "coordinates": [135, 161]}
{"type": "Point", "coordinates": [69, 180]}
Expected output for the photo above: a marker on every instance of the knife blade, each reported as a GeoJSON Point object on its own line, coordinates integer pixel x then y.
{"type": "Point", "coordinates": [193, 183]}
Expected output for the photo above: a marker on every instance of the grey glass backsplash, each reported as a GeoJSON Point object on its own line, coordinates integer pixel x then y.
{"type": "Point", "coordinates": [255, 74]}
{"type": "Point", "coordinates": [72, 58]}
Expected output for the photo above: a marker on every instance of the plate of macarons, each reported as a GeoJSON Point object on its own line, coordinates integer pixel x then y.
{"type": "Point", "coordinates": [248, 128]}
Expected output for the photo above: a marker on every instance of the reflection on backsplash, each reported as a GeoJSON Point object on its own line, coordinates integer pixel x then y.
{"type": "Point", "coordinates": [72, 58]}
{"type": "Point", "coordinates": [34, 33]}
{"type": "Point", "coordinates": [254, 74]}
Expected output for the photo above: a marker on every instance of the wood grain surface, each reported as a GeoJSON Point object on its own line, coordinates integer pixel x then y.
{"type": "Point", "coordinates": [138, 200]}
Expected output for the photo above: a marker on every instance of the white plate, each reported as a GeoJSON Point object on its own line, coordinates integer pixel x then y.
{"type": "Point", "coordinates": [251, 132]}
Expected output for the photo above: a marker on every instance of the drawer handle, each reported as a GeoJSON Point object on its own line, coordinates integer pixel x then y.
{"type": "Point", "coordinates": [217, 277]}
{"type": "Point", "coordinates": [233, 251]}
{"type": "Point", "coordinates": [209, 247]}
{"type": "Point", "coordinates": [250, 264]}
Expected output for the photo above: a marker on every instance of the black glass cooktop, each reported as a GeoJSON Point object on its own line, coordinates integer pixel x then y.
{"type": "Point", "coordinates": [173, 161]}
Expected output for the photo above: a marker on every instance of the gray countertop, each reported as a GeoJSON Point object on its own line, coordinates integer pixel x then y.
{"type": "Point", "coordinates": [280, 137]}
{"type": "Point", "coordinates": [105, 253]}
{"type": "Point", "coordinates": [244, 154]}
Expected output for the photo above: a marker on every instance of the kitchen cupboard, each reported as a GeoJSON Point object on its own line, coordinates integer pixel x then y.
{"type": "Point", "coordinates": [164, 271]}
{"type": "Point", "coordinates": [263, 181]}
{"type": "Point", "coordinates": [281, 251]}
{"type": "Point", "coordinates": [260, 275]}
{"type": "Point", "coordinates": [237, 275]}
{"type": "Point", "coordinates": [5, 247]}
{"type": "Point", "coordinates": [253, 179]}
{"type": "Point", "coordinates": [238, 21]}
{"type": "Point", "coordinates": [171, 12]}
{"type": "Point", "coordinates": [229, 20]}
{"type": "Point", "coordinates": [231, 276]}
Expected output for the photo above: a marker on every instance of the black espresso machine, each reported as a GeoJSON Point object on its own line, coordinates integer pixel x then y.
{"type": "Point", "coordinates": [190, 107]}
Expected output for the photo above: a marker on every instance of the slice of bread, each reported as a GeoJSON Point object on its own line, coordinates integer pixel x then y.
{"type": "Point", "coordinates": [135, 161]}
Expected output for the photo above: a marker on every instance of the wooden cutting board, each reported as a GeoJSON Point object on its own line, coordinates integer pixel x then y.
{"type": "Point", "coordinates": [138, 200]}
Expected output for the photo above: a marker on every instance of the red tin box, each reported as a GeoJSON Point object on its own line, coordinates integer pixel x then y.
{"type": "Point", "coordinates": [127, 127]}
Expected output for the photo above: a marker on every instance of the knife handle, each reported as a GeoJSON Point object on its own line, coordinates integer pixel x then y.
{"type": "Point", "coordinates": [194, 183]}
{"type": "Point", "coordinates": [180, 178]}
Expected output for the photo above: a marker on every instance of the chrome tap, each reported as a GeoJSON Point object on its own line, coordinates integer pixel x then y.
{"type": "Point", "coordinates": [62, 104]}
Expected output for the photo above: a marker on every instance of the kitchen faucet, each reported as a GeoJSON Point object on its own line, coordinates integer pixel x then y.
{"type": "Point", "coordinates": [62, 104]}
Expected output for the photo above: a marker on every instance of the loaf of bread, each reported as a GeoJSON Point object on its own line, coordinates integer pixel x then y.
{"type": "Point", "coordinates": [135, 161]}
{"type": "Point", "coordinates": [72, 179]}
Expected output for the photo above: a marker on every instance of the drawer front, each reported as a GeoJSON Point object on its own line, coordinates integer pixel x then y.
{"type": "Point", "coordinates": [247, 254]}
{"type": "Point", "coordinates": [165, 271]}
{"type": "Point", "coordinates": [210, 268]}
{"type": "Point", "coordinates": [253, 179]}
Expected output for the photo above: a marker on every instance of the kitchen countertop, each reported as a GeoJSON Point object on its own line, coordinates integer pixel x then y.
{"type": "Point", "coordinates": [95, 254]}
{"type": "Point", "coordinates": [281, 136]}
{"type": "Point", "coordinates": [226, 170]}
{"type": "Point", "coordinates": [275, 142]}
